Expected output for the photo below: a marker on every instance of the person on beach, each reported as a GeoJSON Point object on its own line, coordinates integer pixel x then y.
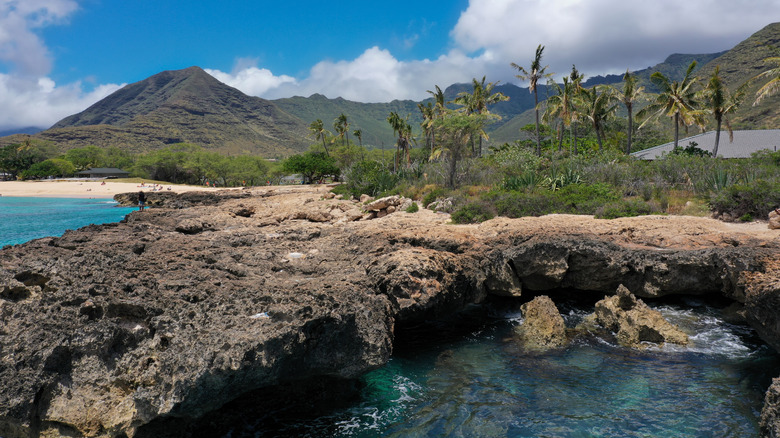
{"type": "Point", "coordinates": [141, 201]}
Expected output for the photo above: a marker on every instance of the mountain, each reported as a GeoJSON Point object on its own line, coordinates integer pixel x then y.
{"type": "Point", "coordinates": [187, 106]}
{"type": "Point", "coordinates": [740, 65]}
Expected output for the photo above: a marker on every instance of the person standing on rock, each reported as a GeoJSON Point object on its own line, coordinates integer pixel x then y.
{"type": "Point", "coordinates": [141, 201]}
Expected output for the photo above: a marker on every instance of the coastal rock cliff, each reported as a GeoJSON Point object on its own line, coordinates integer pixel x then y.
{"type": "Point", "coordinates": [113, 330]}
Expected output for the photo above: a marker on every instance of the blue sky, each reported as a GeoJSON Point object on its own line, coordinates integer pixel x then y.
{"type": "Point", "coordinates": [57, 57]}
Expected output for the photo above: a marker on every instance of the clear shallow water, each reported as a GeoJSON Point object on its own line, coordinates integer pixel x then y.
{"type": "Point", "coordinates": [473, 381]}
{"type": "Point", "coordinates": [25, 219]}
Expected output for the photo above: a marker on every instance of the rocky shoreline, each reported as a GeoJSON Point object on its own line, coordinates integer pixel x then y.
{"type": "Point", "coordinates": [116, 330]}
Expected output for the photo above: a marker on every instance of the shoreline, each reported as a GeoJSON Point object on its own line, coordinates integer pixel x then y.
{"type": "Point", "coordinates": [94, 189]}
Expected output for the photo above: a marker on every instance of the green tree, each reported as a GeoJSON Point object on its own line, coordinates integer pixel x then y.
{"type": "Point", "coordinates": [341, 125]}
{"type": "Point", "coordinates": [533, 75]}
{"type": "Point", "coordinates": [86, 157]}
{"type": "Point", "coordinates": [312, 166]}
{"type": "Point", "coordinates": [50, 167]}
{"type": "Point", "coordinates": [317, 128]}
{"type": "Point", "coordinates": [597, 105]}
{"type": "Point", "coordinates": [456, 132]}
{"type": "Point", "coordinates": [478, 101]}
{"type": "Point", "coordinates": [717, 101]}
{"type": "Point", "coordinates": [560, 106]}
{"type": "Point", "coordinates": [630, 95]}
{"type": "Point", "coordinates": [403, 130]}
{"type": "Point", "coordinates": [18, 157]}
{"type": "Point", "coordinates": [677, 100]}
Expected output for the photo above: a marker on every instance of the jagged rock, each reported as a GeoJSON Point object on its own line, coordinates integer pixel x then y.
{"type": "Point", "coordinates": [383, 203]}
{"type": "Point", "coordinates": [441, 205]}
{"type": "Point", "coordinates": [542, 328]}
{"type": "Point", "coordinates": [774, 219]}
{"type": "Point", "coordinates": [365, 198]}
{"type": "Point", "coordinates": [770, 414]}
{"type": "Point", "coordinates": [634, 322]}
{"type": "Point", "coordinates": [111, 329]}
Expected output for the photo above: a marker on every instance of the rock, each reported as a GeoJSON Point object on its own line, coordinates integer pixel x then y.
{"type": "Point", "coordinates": [383, 203]}
{"type": "Point", "coordinates": [770, 414]}
{"type": "Point", "coordinates": [112, 329]}
{"type": "Point", "coordinates": [634, 322]}
{"type": "Point", "coordinates": [407, 202]}
{"type": "Point", "coordinates": [774, 219]}
{"type": "Point", "coordinates": [542, 328]}
{"type": "Point", "coordinates": [441, 205]}
{"type": "Point", "coordinates": [365, 198]}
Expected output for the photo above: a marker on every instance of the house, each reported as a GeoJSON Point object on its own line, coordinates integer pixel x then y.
{"type": "Point", "coordinates": [103, 172]}
{"type": "Point", "coordinates": [745, 143]}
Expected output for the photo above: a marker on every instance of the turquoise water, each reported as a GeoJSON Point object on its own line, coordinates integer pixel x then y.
{"type": "Point", "coordinates": [473, 381]}
{"type": "Point", "coordinates": [24, 219]}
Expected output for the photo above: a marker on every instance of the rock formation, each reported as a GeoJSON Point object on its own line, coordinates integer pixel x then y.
{"type": "Point", "coordinates": [634, 322]}
{"type": "Point", "coordinates": [774, 219]}
{"type": "Point", "coordinates": [119, 329]}
{"type": "Point", "coordinates": [542, 328]}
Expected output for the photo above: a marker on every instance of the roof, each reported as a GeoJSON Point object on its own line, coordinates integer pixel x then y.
{"type": "Point", "coordinates": [745, 143]}
{"type": "Point", "coordinates": [101, 170]}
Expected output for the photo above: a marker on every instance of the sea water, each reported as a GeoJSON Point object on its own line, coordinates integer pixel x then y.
{"type": "Point", "coordinates": [471, 379]}
{"type": "Point", "coordinates": [24, 219]}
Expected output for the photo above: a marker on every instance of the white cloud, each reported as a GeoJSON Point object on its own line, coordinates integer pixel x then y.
{"type": "Point", "coordinates": [374, 76]}
{"type": "Point", "coordinates": [29, 96]}
{"type": "Point", "coordinates": [19, 45]}
{"type": "Point", "coordinates": [606, 36]}
{"type": "Point", "coordinates": [250, 79]}
{"type": "Point", "coordinates": [40, 102]}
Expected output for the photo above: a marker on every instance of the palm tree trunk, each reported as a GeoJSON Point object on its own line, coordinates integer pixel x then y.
{"type": "Point", "coordinates": [630, 131]}
{"type": "Point", "coordinates": [717, 139]}
{"type": "Point", "coordinates": [560, 137]}
{"type": "Point", "coordinates": [676, 129]}
{"type": "Point", "coordinates": [323, 145]}
{"type": "Point", "coordinates": [598, 137]}
{"type": "Point", "coordinates": [574, 136]}
{"type": "Point", "coordinates": [538, 137]}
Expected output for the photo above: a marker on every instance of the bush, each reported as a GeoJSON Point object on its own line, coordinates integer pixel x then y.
{"type": "Point", "coordinates": [624, 208]}
{"type": "Point", "coordinates": [413, 208]}
{"type": "Point", "coordinates": [370, 178]}
{"type": "Point", "coordinates": [756, 199]}
{"type": "Point", "coordinates": [473, 212]}
{"type": "Point", "coordinates": [434, 193]}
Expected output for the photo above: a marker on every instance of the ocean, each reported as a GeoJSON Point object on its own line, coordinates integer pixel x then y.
{"type": "Point", "coordinates": [25, 219]}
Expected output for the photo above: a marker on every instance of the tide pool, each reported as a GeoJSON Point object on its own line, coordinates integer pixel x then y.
{"type": "Point", "coordinates": [25, 219]}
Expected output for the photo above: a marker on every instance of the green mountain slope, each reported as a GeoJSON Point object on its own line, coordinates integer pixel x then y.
{"type": "Point", "coordinates": [183, 106]}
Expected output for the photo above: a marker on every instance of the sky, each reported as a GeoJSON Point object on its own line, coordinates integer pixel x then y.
{"type": "Point", "coordinates": [58, 57]}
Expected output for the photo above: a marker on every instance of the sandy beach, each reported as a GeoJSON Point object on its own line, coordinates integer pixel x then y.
{"type": "Point", "coordinates": [82, 189]}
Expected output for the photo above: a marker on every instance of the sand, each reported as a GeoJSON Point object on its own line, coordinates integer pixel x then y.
{"type": "Point", "coordinates": [82, 189]}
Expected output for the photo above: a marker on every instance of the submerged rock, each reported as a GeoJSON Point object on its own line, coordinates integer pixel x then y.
{"type": "Point", "coordinates": [634, 322]}
{"type": "Point", "coordinates": [542, 328]}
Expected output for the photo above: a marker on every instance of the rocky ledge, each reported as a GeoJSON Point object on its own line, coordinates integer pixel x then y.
{"type": "Point", "coordinates": [117, 330]}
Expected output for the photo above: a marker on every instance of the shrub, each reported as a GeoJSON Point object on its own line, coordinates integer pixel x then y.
{"type": "Point", "coordinates": [369, 177]}
{"type": "Point", "coordinates": [756, 199]}
{"type": "Point", "coordinates": [413, 208]}
{"type": "Point", "coordinates": [624, 208]}
{"type": "Point", "coordinates": [473, 212]}
{"type": "Point", "coordinates": [434, 193]}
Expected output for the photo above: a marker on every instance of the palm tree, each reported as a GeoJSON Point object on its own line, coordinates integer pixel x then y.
{"type": "Point", "coordinates": [479, 99]}
{"type": "Point", "coordinates": [771, 87]}
{"type": "Point", "coordinates": [358, 133]}
{"type": "Point", "coordinates": [630, 95]}
{"type": "Point", "coordinates": [559, 107]}
{"type": "Point", "coordinates": [598, 105]}
{"type": "Point", "coordinates": [533, 75]}
{"type": "Point", "coordinates": [429, 115]}
{"type": "Point", "coordinates": [676, 100]}
{"type": "Point", "coordinates": [405, 139]}
{"type": "Point", "coordinates": [575, 81]}
{"type": "Point", "coordinates": [341, 125]}
{"type": "Point", "coordinates": [317, 128]}
{"type": "Point", "coordinates": [720, 103]}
